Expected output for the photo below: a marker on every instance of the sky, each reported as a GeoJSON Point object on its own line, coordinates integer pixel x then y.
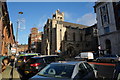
{"type": "Point", "coordinates": [35, 14]}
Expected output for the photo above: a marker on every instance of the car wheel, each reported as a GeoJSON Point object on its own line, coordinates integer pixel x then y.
{"type": "Point", "coordinates": [98, 60]}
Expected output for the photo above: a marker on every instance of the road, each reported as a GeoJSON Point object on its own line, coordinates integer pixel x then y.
{"type": "Point", "coordinates": [105, 70]}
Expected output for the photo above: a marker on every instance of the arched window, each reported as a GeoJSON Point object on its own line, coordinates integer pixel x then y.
{"type": "Point", "coordinates": [70, 51]}
{"type": "Point", "coordinates": [65, 36]}
{"type": "Point", "coordinates": [74, 36]}
{"type": "Point", "coordinates": [108, 46]}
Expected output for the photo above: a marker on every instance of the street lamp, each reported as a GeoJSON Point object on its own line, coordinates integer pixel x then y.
{"type": "Point", "coordinates": [18, 25]}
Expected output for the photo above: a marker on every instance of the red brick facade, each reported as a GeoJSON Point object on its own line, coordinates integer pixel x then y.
{"type": "Point", "coordinates": [6, 30]}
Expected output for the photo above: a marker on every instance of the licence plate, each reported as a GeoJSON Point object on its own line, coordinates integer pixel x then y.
{"type": "Point", "coordinates": [19, 61]}
{"type": "Point", "coordinates": [26, 71]}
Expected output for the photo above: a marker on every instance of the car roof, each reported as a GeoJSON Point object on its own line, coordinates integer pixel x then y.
{"type": "Point", "coordinates": [45, 56]}
{"type": "Point", "coordinates": [68, 62]}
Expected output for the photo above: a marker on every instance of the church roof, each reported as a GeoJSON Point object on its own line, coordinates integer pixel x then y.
{"type": "Point", "coordinates": [73, 25]}
{"type": "Point", "coordinates": [67, 24]}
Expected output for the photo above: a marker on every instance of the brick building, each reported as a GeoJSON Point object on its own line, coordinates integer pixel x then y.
{"type": "Point", "coordinates": [34, 41]}
{"type": "Point", "coordinates": [23, 48]}
{"type": "Point", "coordinates": [7, 38]}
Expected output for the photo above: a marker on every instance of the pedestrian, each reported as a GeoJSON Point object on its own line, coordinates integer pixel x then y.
{"type": "Point", "coordinates": [3, 56]}
{"type": "Point", "coordinates": [116, 70]}
{"type": "Point", "coordinates": [12, 60]}
{"type": "Point", "coordinates": [9, 72]}
{"type": "Point", "coordinates": [0, 68]}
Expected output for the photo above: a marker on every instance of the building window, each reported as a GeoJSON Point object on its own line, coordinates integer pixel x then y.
{"type": "Point", "coordinates": [87, 45]}
{"type": "Point", "coordinates": [60, 35]}
{"type": "Point", "coordinates": [104, 14]}
{"type": "Point", "coordinates": [101, 16]}
{"type": "Point", "coordinates": [81, 38]}
{"type": "Point", "coordinates": [108, 46]}
{"type": "Point", "coordinates": [106, 29]}
{"type": "Point", "coordinates": [65, 36]}
{"type": "Point", "coordinates": [103, 9]}
{"type": "Point", "coordinates": [55, 38]}
{"type": "Point", "coordinates": [73, 36]}
{"type": "Point", "coordinates": [87, 31]}
{"type": "Point", "coordinates": [119, 12]}
{"type": "Point", "coordinates": [105, 18]}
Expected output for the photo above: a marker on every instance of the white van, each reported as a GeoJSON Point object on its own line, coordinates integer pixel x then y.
{"type": "Point", "coordinates": [85, 56]}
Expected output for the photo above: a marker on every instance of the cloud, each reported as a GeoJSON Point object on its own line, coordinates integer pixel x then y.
{"type": "Point", "coordinates": [87, 19]}
{"type": "Point", "coordinates": [68, 16]}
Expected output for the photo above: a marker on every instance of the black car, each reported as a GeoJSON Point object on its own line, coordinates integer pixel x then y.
{"type": "Point", "coordinates": [22, 58]}
{"type": "Point", "coordinates": [35, 64]}
{"type": "Point", "coordinates": [116, 74]}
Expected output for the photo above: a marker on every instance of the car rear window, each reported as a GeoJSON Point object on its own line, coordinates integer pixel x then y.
{"type": "Point", "coordinates": [107, 55]}
{"type": "Point", "coordinates": [113, 55]}
{"type": "Point", "coordinates": [27, 57]}
{"type": "Point", "coordinates": [35, 60]}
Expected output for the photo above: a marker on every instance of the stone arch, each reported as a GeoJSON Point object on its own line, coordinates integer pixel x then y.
{"type": "Point", "coordinates": [70, 51]}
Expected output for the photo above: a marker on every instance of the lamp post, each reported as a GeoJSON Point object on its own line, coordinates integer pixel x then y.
{"type": "Point", "coordinates": [18, 25]}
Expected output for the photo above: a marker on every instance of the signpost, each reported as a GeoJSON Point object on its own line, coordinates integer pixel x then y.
{"type": "Point", "coordinates": [13, 50]}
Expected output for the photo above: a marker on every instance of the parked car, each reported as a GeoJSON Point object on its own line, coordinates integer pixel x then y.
{"type": "Point", "coordinates": [36, 63]}
{"type": "Point", "coordinates": [85, 56]}
{"type": "Point", "coordinates": [24, 57]}
{"type": "Point", "coordinates": [116, 74]}
{"type": "Point", "coordinates": [108, 58]}
{"type": "Point", "coordinates": [67, 70]}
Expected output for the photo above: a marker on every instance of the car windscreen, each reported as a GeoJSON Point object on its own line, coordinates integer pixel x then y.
{"type": "Point", "coordinates": [57, 70]}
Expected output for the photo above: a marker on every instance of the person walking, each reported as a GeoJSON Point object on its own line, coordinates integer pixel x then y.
{"type": "Point", "coordinates": [9, 72]}
{"type": "Point", "coordinates": [12, 61]}
{"type": "Point", "coordinates": [116, 71]}
{"type": "Point", "coordinates": [3, 56]}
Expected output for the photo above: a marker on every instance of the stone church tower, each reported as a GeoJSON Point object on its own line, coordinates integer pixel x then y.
{"type": "Point", "coordinates": [58, 15]}
{"type": "Point", "coordinates": [65, 37]}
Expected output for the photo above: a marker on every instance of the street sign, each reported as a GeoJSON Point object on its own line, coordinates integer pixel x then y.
{"type": "Point", "coordinates": [13, 50]}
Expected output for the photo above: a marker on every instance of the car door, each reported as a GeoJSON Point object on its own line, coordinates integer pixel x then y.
{"type": "Point", "coordinates": [105, 58]}
{"type": "Point", "coordinates": [82, 73]}
{"type": "Point", "coordinates": [92, 73]}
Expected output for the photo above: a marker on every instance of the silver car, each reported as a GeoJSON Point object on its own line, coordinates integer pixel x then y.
{"type": "Point", "coordinates": [75, 70]}
{"type": "Point", "coordinates": [108, 58]}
